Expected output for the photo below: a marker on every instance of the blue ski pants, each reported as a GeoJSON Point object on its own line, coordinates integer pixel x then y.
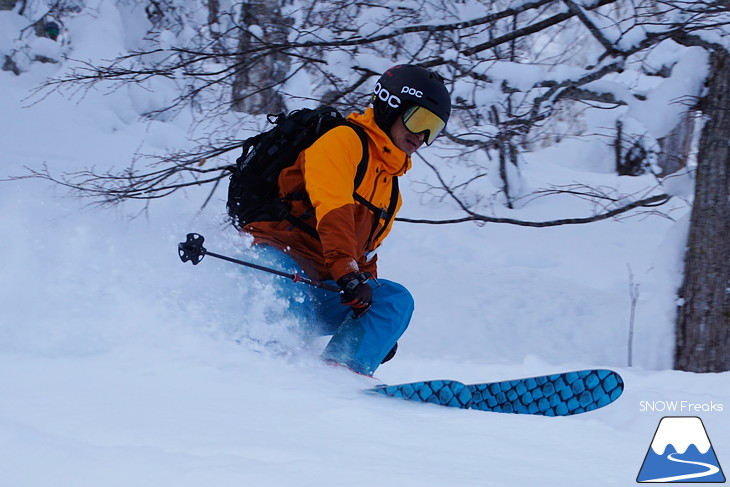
{"type": "Point", "coordinates": [360, 344]}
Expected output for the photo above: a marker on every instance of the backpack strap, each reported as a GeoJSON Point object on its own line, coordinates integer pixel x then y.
{"type": "Point", "coordinates": [299, 223]}
{"type": "Point", "coordinates": [362, 168]}
{"type": "Point", "coordinates": [380, 213]}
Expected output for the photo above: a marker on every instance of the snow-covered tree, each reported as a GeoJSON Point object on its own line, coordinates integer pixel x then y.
{"type": "Point", "coordinates": [703, 326]}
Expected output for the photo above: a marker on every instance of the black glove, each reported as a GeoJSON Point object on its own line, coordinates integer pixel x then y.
{"type": "Point", "coordinates": [356, 292]}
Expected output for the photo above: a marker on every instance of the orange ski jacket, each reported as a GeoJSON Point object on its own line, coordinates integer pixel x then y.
{"type": "Point", "coordinates": [348, 230]}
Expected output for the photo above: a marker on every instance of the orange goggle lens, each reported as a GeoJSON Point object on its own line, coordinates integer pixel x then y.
{"type": "Point", "coordinates": [418, 119]}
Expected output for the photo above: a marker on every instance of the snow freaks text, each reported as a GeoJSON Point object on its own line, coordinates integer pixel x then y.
{"type": "Point", "coordinates": [687, 407]}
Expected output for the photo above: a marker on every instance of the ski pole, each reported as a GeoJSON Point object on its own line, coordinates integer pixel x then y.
{"type": "Point", "coordinates": [192, 250]}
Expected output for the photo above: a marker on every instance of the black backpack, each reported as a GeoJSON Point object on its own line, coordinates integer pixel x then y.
{"type": "Point", "coordinates": [253, 193]}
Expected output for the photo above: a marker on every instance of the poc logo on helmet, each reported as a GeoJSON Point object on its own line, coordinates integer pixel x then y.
{"type": "Point", "coordinates": [384, 95]}
{"type": "Point", "coordinates": [412, 91]}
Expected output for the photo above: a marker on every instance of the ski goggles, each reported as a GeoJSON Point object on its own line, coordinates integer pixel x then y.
{"type": "Point", "coordinates": [418, 119]}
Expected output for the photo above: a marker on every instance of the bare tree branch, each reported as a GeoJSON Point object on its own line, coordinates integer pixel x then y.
{"type": "Point", "coordinates": [597, 33]}
{"type": "Point", "coordinates": [475, 217]}
{"type": "Point", "coordinates": [207, 67]}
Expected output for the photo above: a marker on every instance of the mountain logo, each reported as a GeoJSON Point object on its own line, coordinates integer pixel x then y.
{"type": "Point", "coordinates": [680, 452]}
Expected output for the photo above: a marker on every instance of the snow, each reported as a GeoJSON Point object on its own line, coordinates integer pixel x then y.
{"type": "Point", "coordinates": [672, 97]}
{"type": "Point", "coordinates": [681, 433]}
{"type": "Point", "coordinates": [121, 366]}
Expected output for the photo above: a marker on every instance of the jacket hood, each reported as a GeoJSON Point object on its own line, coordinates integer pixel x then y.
{"type": "Point", "coordinates": [395, 161]}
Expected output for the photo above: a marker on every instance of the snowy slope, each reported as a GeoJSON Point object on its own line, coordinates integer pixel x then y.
{"type": "Point", "coordinates": [121, 366]}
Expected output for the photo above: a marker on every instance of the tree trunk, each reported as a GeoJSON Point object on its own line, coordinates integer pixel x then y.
{"type": "Point", "coordinates": [254, 87]}
{"type": "Point", "coordinates": [214, 8]}
{"type": "Point", "coordinates": [703, 324]}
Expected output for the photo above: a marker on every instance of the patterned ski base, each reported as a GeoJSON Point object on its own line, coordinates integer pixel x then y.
{"type": "Point", "coordinates": [549, 395]}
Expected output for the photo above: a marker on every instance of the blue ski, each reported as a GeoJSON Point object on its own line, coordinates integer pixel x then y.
{"type": "Point", "coordinates": [549, 395]}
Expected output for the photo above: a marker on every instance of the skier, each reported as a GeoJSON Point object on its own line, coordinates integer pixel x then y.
{"type": "Point", "coordinates": [410, 106]}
